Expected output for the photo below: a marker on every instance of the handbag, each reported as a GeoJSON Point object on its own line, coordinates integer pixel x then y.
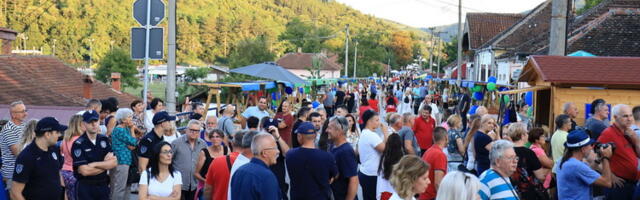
{"type": "Point", "coordinates": [134, 175]}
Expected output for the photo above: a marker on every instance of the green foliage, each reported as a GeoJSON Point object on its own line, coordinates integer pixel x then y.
{"type": "Point", "coordinates": [316, 66]}
{"type": "Point", "coordinates": [306, 36]}
{"type": "Point", "coordinates": [192, 75]}
{"type": "Point", "coordinates": [118, 60]}
{"type": "Point", "coordinates": [450, 51]}
{"type": "Point", "coordinates": [251, 51]}
{"type": "Point", "coordinates": [588, 4]}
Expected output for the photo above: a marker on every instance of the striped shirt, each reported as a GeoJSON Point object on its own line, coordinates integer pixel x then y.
{"type": "Point", "coordinates": [495, 186]}
{"type": "Point", "coordinates": [10, 135]}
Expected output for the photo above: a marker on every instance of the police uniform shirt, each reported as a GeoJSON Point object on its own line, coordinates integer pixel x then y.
{"type": "Point", "coordinates": [39, 171]}
{"type": "Point", "coordinates": [147, 143]}
{"type": "Point", "coordinates": [84, 152]}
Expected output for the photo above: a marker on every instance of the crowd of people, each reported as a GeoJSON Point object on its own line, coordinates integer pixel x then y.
{"type": "Point", "coordinates": [398, 138]}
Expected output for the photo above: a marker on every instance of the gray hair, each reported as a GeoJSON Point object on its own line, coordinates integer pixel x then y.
{"type": "Point", "coordinates": [247, 139]}
{"type": "Point", "coordinates": [394, 118]}
{"type": "Point", "coordinates": [406, 117]}
{"type": "Point", "coordinates": [194, 122]}
{"type": "Point", "coordinates": [123, 113]}
{"type": "Point", "coordinates": [93, 102]}
{"type": "Point", "coordinates": [342, 121]}
{"type": "Point", "coordinates": [498, 148]}
{"type": "Point", "coordinates": [458, 185]}
{"type": "Point", "coordinates": [257, 144]}
{"type": "Point", "coordinates": [237, 138]}
{"type": "Point", "coordinates": [321, 109]}
{"type": "Point", "coordinates": [16, 103]}
{"type": "Point", "coordinates": [566, 106]}
{"type": "Point", "coordinates": [617, 109]}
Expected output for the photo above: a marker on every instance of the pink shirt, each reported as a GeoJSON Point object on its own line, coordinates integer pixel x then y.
{"type": "Point", "coordinates": [66, 153]}
{"type": "Point", "coordinates": [540, 152]}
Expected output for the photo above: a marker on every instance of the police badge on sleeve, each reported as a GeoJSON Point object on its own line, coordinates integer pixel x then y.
{"type": "Point", "coordinates": [19, 168]}
{"type": "Point", "coordinates": [103, 144]}
{"type": "Point", "coordinates": [77, 152]}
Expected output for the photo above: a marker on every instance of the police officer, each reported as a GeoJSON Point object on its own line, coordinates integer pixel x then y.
{"type": "Point", "coordinates": [37, 171]}
{"type": "Point", "coordinates": [161, 124]}
{"type": "Point", "coordinates": [92, 157]}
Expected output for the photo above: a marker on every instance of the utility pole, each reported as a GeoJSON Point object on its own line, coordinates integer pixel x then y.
{"type": "Point", "coordinates": [90, 52]}
{"type": "Point", "coordinates": [54, 47]}
{"type": "Point", "coordinates": [430, 49]}
{"type": "Point", "coordinates": [459, 64]}
{"type": "Point", "coordinates": [558, 32]}
{"type": "Point", "coordinates": [346, 52]}
{"type": "Point", "coordinates": [355, 59]}
{"type": "Point", "coordinates": [436, 42]}
{"type": "Point", "coordinates": [171, 60]}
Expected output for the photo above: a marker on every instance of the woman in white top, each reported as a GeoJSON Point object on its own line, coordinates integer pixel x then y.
{"type": "Point", "coordinates": [392, 153]}
{"type": "Point", "coordinates": [410, 176]}
{"type": "Point", "coordinates": [370, 146]}
{"type": "Point", "coordinates": [474, 125]}
{"type": "Point", "coordinates": [353, 134]}
{"type": "Point", "coordinates": [160, 180]}
{"type": "Point", "coordinates": [406, 102]}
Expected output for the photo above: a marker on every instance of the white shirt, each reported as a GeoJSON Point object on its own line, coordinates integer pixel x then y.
{"type": "Point", "coordinates": [395, 196]}
{"type": "Point", "coordinates": [383, 185]}
{"type": "Point", "coordinates": [161, 189]}
{"type": "Point", "coordinates": [369, 157]}
{"type": "Point", "coordinates": [240, 161]}
{"type": "Point", "coordinates": [148, 120]}
{"type": "Point", "coordinates": [170, 139]}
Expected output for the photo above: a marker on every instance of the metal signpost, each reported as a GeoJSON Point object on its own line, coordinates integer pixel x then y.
{"type": "Point", "coordinates": [147, 41]}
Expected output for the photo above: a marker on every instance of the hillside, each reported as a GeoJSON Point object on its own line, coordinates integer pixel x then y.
{"type": "Point", "coordinates": [448, 32]}
{"type": "Point", "coordinates": [208, 30]}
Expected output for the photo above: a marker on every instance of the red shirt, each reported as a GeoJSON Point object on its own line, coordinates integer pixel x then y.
{"type": "Point", "coordinates": [374, 105]}
{"type": "Point", "coordinates": [424, 131]}
{"type": "Point", "coordinates": [218, 176]}
{"type": "Point", "coordinates": [437, 160]}
{"type": "Point", "coordinates": [285, 132]}
{"type": "Point", "coordinates": [623, 162]}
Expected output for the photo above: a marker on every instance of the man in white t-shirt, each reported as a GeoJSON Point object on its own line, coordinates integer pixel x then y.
{"type": "Point", "coordinates": [370, 147]}
{"type": "Point", "coordinates": [244, 157]}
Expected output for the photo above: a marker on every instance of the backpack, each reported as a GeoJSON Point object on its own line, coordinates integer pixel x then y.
{"type": "Point", "coordinates": [528, 183]}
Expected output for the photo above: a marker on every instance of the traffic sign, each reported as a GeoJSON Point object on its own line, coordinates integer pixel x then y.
{"type": "Point", "coordinates": [140, 12]}
{"type": "Point", "coordinates": [138, 43]}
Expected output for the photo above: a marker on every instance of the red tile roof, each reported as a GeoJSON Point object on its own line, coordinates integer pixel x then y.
{"type": "Point", "coordinates": [584, 70]}
{"type": "Point", "coordinates": [46, 81]}
{"type": "Point", "coordinates": [484, 26]}
{"type": "Point", "coordinates": [304, 60]}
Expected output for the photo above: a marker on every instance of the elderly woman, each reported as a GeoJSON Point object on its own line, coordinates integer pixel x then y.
{"type": "Point", "coordinates": [410, 176]}
{"type": "Point", "coordinates": [122, 137]}
{"type": "Point", "coordinates": [527, 185]}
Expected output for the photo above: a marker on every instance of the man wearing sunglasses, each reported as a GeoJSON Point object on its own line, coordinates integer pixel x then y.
{"type": "Point", "coordinates": [186, 151]}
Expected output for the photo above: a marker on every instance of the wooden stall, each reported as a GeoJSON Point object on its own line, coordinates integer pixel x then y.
{"type": "Point", "coordinates": [557, 80]}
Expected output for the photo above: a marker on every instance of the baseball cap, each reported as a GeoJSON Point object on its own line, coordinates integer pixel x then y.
{"type": "Point", "coordinates": [578, 138]}
{"type": "Point", "coordinates": [49, 124]}
{"type": "Point", "coordinates": [162, 117]}
{"type": "Point", "coordinates": [306, 128]}
{"type": "Point", "coordinates": [90, 115]}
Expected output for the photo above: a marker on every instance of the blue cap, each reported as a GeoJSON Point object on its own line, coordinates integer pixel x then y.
{"type": "Point", "coordinates": [578, 138]}
{"type": "Point", "coordinates": [306, 128]}
{"type": "Point", "coordinates": [162, 117]}
{"type": "Point", "coordinates": [89, 116]}
{"type": "Point", "coordinates": [49, 124]}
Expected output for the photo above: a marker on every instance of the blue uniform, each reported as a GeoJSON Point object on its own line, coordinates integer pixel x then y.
{"type": "Point", "coordinates": [254, 180]}
{"type": "Point", "coordinates": [147, 143]}
{"type": "Point", "coordinates": [39, 171]}
{"type": "Point", "coordinates": [84, 151]}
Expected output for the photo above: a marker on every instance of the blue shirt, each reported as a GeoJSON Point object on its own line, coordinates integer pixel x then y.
{"type": "Point", "coordinates": [39, 171]}
{"type": "Point", "coordinates": [310, 171]}
{"type": "Point", "coordinates": [145, 147]}
{"type": "Point", "coordinates": [84, 152]}
{"type": "Point", "coordinates": [495, 186]}
{"type": "Point", "coordinates": [254, 180]}
{"type": "Point", "coordinates": [120, 139]}
{"type": "Point", "coordinates": [347, 167]}
{"type": "Point", "coordinates": [255, 112]}
{"type": "Point", "coordinates": [575, 179]}
{"type": "Point", "coordinates": [595, 127]}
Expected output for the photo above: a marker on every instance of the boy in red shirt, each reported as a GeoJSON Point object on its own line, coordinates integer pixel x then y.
{"type": "Point", "coordinates": [436, 158]}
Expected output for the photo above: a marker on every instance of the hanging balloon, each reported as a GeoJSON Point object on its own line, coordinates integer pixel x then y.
{"type": "Point", "coordinates": [273, 96]}
{"type": "Point", "coordinates": [491, 86]}
{"type": "Point", "coordinates": [315, 104]}
{"type": "Point", "coordinates": [473, 109]}
{"type": "Point", "coordinates": [506, 99]}
{"type": "Point", "coordinates": [478, 96]}
{"type": "Point", "coordinates": [528, 98]}
{"type": "Point", "coordinates": [502, 89]}
{"type": "Point", "coordinates": [301, 90]}
{"type": "Point", "coordinates": [492, 79]}
{"type": "Point", "coordinates": [288, 90]}
{"type": "Point", "coordinates": [477, 88]}
{"type": "Point", "coordinates": [307, 90]}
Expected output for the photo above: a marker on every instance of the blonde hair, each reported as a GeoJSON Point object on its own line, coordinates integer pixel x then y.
{"type": "Point", "coordinates": [516, 131]}
{"type": "Point", "coordinates": [458, 185]}
{"type": "Point", "coordinates": [453, 120]}
{"type": "Point", "coordinates": [75, 127]}
{"type": "Point", "coordinates": [28, 133]}
{"type": "Point", "coordinates": [405, 173]}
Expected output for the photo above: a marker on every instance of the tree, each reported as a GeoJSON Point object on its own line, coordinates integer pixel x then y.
{"type": "Point", "coordinates": [316, 66]}
{"type": "Point", "coordinates": [118, 60]}
{"type": "Point", "coordinates": [309, 38]}
{"type": "Point", "coordinates": [402, 46]}
{"type": "Point", "coordinates": [251, 51]}
{"type": "Point", "coordinates": [193, 75]}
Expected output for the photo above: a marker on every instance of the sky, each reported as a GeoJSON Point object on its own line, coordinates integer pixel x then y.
{"type": "Point", "coordinates": [428, 13]}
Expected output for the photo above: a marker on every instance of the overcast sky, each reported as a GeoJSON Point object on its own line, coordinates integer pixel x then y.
{"type": "Point", "coordinates": [427, 13]}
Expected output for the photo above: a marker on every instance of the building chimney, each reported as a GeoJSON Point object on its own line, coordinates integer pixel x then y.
{"type": "Point", "coordinates": [7, 36]}
{"type": "Point", "coordinates": [299, 49]}
{"type": "Point", "coordinates": [86, 87]}
{"type": "Point", "coordinates": [115, 81]}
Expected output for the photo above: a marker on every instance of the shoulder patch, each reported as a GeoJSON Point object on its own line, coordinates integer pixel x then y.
{"type": "Point", "coordinates": [54, 155]}
{"type": "Point", "coordinates": [77, 152]}
{"type": "Point", "coordinates": [103, 144]}
{"type": "Point", "coordinates": [19, 168]}
{"type": "Point", "coordinates": [143, 149]}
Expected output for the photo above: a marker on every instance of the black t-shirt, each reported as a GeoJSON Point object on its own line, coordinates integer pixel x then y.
{"type": "Point", "coordinates": [279, 170]}
{"type": "Point", "coordinates": [463, 104]}
{"type": "Point", "coordinates": [39, 171]}
{"type": "Point", "coordinates": [84, 152]}
{"type": "Point", "coordinates": [150, 140]}
{"type": "Point", "coordinates": [310, 171]}
{"type": "Point", "coordinates": [340, 97]}
{"type": "Point", "coordinates": [528, 161]}
{"type": "Point", "coordinates": [294, 135]}
{"type": "Point", "coordinates": [347, 168]}
{"type": "Point", "coordinates": [351, 102]}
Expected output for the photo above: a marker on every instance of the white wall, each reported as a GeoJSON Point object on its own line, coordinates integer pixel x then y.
{"type": "Point", "coordinates": [303, 73]}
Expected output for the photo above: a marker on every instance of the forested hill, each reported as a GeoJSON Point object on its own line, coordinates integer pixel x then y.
{"type": "Point", "coordinates": [208, 30]}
